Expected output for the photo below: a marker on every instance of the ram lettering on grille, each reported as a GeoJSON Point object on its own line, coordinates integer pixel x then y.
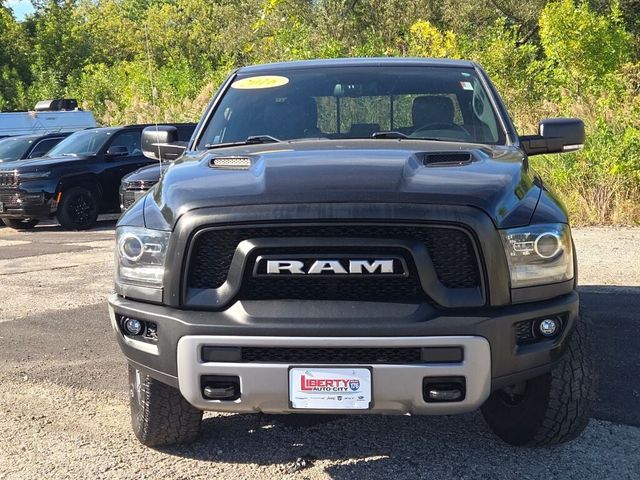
{"type": "Point", "coordinates": [451, 250]}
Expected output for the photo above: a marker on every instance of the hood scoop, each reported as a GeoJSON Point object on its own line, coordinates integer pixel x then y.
{"type": "Point", "coordinates": [231, 163]}
{"type": "Point", "coordinates": [447, 159]}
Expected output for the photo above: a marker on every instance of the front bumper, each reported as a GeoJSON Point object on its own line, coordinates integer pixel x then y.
{"type": "Point", "coordinates": [397, 389]}
{"type": "Point", "coordinates": [21, 204]}
{"type": "Point", "coordinates": [492, 357]}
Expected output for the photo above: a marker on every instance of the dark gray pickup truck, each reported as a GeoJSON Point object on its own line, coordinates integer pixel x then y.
{"type": "Point", "coordinates": [354, 236]}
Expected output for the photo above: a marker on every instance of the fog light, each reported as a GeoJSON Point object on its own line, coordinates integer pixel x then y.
{"type": "Point", "coordinates": [549, 327]}
{"type": "Point", "coordinates": [133, 326]}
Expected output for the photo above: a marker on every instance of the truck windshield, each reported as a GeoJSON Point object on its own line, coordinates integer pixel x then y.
{"type": "Point", "coordinates": [436, 103]}
{"type": "Point", "coordinates": [85, 142]}
{"type": "Point", "coordinates": [14, 148]}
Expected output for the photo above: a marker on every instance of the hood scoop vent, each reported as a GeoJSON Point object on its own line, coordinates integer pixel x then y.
{"type": "Point", "coordinates": [231, 163]}
{"type": "Point", "coordinates": [447, 159]}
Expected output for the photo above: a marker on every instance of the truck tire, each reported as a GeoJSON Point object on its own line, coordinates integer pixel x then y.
{"type": "Point", "coordinates": [160, 415]}
{"type": "Point", "coordinates": [552, 408]}
{"type": "Point", "coordinates": [78, 209]}
{"type": "Point", "coordinates": [20, 223]}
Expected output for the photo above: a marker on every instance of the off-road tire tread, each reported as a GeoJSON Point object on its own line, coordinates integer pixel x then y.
{"type": "Point", "coordinates": [167, 418]}
{"type": "Point", "coordinates": [560, 401]}
{"type": "Point", "coordinates": [571, 392]}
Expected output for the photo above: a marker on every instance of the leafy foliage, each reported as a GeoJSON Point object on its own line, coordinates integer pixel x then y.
{"type": "Point", "coordinates": [547, 57]}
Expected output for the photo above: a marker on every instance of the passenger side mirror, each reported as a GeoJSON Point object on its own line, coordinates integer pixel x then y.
{"type": "Point", "coordinates": [161, 143]}
{"type": "Point", "coordinates": [117, 151]}
{"type": "Point", "coordinates": [555, 135]}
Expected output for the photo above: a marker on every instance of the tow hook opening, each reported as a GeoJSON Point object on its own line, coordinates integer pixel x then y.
{"type": "Point", "coordinates": [443, 389]}
{"type": "Point", "coordinates": [220, 387]}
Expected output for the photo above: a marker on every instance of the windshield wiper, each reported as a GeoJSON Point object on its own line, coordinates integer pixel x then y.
{"type": "Point", "coordinates": [389, 135]}
{"type": "Point", "coordinates": [400, 135]}
{"type": "Point", "coordinates": [252, 140]}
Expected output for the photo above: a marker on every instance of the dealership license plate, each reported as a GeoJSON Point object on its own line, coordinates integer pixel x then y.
{"type": "Point", "coordinates": [330, 388]}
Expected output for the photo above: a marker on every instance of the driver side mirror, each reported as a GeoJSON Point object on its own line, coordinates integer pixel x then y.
{"type": "Point", "coordinates": [555, 135]}
{"type": "Point", "coordinates": [161, 143]}
{"type": "Point", "coordinates": [117, 151]}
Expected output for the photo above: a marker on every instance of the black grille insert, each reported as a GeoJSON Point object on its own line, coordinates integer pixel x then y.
{"type": "Point", "coordinates": [451, 251]}
{"type": "Point", "coordinates": [524, 332]}
{"type": "Point", "coordinates": [337, 356]}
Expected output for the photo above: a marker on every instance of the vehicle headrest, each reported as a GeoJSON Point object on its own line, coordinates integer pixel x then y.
{"type": "Point", "coordinates": [295, 117]}
{"type": "Point", "coordinates": [363, 129]}
{"type": "Point", "coordinates": [432, 109]}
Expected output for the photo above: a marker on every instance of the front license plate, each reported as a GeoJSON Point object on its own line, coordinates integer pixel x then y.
{"type": "Point", "coordinates": [330, 388]}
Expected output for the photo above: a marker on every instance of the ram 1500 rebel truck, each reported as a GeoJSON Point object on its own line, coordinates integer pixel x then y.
{"type": "Point", "coordinates": [354, 236]}
{"type": "Point", "coordinates": [77, 179]}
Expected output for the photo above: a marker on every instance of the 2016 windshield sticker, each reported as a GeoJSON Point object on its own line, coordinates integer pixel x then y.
{"type": "Point", "coordinates": [263, 81]}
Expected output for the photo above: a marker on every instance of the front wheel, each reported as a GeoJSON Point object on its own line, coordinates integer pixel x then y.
{"type": "Point", "coordinates": [552, 408]}
{"type": "Point", "coordinates": [20, 223]}
{"type": "Point", "coordinates": [78, 209]}
{"type": "Point", "coordinates": [160, 415]}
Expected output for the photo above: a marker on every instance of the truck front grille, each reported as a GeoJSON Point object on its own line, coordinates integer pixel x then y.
{"type": "Point", "coordinates": [9, 199]}
{"type": "Point", "coordinates": [451, 250]}
{"type": "Point", "coordinates": [143, 185]}
{"type": "Point", "coordinates": [8, 178]}
{"type": "Point", "coordinates": [129, 197]}
{"type": "Point", "coordinates": [402, 356]}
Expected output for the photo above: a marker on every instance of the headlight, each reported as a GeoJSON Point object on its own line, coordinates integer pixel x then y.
{"type": "Point", "coordinates": [140, 256]}
{"type": "Point", "coordinates": [538, 254]}
{"type": "Point", "coordinates": [33, 175]}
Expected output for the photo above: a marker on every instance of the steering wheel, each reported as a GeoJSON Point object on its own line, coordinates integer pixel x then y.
{"type": "Point", "coordinates": [441, 126]}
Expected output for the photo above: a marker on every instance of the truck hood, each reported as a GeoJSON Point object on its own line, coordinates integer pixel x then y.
{"type": "Point", "coordinates": [496, 181]}
{"type": "Point", "coordinates": [150, 173]}
{"type": "Point", "coordinates": [43, 163]}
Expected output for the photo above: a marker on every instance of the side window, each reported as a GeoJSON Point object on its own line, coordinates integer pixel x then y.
{"type": "Point", "coordinates": [131, 140]}
{"type": "Point", "coordinates": [43, 146]}
{"type": "Point", "coordinates": [185, 132]}
{"type": "Point", "coordinates": [483, 113]}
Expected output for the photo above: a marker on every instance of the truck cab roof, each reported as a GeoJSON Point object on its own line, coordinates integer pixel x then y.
{"type": "Point", "coordinates": [355, 62]}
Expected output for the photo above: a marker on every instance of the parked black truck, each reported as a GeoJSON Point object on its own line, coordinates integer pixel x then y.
{"type": "Point", "coordinates": [78, 179]}
{"type": "Point", "coordinates": [354, 236]}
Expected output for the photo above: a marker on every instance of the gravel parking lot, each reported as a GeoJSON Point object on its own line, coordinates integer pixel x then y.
{"type": "Point", "coordinates": [64, 409]}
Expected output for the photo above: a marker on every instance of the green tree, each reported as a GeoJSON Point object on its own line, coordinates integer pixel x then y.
{"type": "Point", "coordinates": [583, 47]}
{"type": "Point", "coordinates": [14, 62]}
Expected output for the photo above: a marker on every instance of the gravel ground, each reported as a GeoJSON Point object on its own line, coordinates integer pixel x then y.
{"type": "Point", "coordinates": [64, 411]}
{"type": "Point", "coordinates": [608, 255]}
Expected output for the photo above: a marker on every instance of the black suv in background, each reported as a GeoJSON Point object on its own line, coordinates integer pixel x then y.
{"type": "Point", "coordinates": [24, 147]}
{"type": "Point", "coordinates": [136, 184]}
{"type": "Point", "coordinates": [77, 180]}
